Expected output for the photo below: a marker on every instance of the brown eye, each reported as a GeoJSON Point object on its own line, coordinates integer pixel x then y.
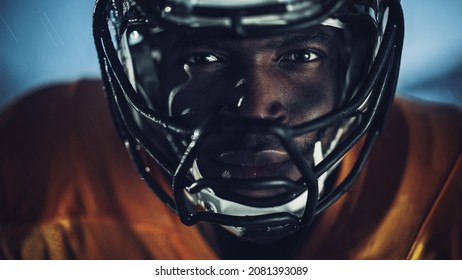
{"type": "Point", "coordinates": [299, 56]}
{"type": "Point", "coordinates": [201, 58]}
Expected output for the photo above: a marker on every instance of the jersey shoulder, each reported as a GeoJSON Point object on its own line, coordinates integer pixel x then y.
{"type": "Point", "coordinates": [434, 177]}
{"type": "Point", "coordinates": [411, 180]}
{"type": "Point", "coordinates": [68, 188]}
{"type": "Point", "coordinates": [404, 203]}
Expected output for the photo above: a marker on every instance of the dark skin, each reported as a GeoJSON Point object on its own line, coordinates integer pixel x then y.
{"type": "Point", "coordinates": [292, 79]}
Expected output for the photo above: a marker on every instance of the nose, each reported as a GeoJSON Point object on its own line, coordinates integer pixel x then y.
{"type": "Point", "coordinates": [261, 94]}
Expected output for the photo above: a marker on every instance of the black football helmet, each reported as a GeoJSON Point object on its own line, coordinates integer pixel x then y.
{"type": "Point", "coordinates": [128, 36]}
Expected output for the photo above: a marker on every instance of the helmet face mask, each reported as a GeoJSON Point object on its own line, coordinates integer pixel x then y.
{"type": "Point", "coordinates": [247, 122]}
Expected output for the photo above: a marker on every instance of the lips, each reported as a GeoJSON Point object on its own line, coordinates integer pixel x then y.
{"type": "Point", "coordinates": [248, 164]}
{"type": "Point", "coordinates": [248, 158]}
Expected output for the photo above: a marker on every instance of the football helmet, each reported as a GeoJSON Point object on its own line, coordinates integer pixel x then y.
{"type": "Point", "coordinates": [129, 37]}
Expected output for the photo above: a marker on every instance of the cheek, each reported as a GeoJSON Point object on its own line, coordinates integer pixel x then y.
{"type": "Point", "coordinates": [312, 96]}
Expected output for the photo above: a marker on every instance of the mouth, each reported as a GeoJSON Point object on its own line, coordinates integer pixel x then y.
{"type": "Point", "coordinates": [253, 159]}
{"type": "Point", "coordinates": [245, 164]}
{"type": "Point", "coordinates": [249, 164]}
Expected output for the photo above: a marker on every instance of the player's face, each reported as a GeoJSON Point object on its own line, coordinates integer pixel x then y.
{"type": "Point", "coordinates": [293, 78]}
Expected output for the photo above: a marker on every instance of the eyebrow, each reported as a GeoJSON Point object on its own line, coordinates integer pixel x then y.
{"type": "Point", "coordinates": [315, 36]}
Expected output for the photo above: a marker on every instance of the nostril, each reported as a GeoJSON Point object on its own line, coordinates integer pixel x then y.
{"type": "Point", "coordinates": [278, 112]}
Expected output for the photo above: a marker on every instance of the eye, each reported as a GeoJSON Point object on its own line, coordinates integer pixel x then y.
{"type": "Point", "coordinates": [301, 56]}
{"type": "Point", "coordinates": [201, 58]}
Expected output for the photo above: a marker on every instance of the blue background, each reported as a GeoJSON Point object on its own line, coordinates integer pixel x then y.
{"type": "Point", "coordinates": [47, 41]}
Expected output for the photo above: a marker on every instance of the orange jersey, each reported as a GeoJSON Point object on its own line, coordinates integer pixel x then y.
{"type": "Point", "coordinates": [68, 189]}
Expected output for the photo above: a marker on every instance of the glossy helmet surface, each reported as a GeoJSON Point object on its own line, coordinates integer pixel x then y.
{"type": "Point", "coordinates": [127, 32]}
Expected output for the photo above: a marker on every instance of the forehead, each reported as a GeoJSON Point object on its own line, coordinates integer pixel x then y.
{"type": "Point", "coordinates": [320, 35]}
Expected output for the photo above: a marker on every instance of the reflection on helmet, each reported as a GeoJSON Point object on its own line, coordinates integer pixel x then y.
{"type": "Point", "coordinates": [131, 36]}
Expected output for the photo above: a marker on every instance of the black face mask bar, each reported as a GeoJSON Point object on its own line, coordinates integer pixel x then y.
{"type": "Point", "coordinates": [378, 90]}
